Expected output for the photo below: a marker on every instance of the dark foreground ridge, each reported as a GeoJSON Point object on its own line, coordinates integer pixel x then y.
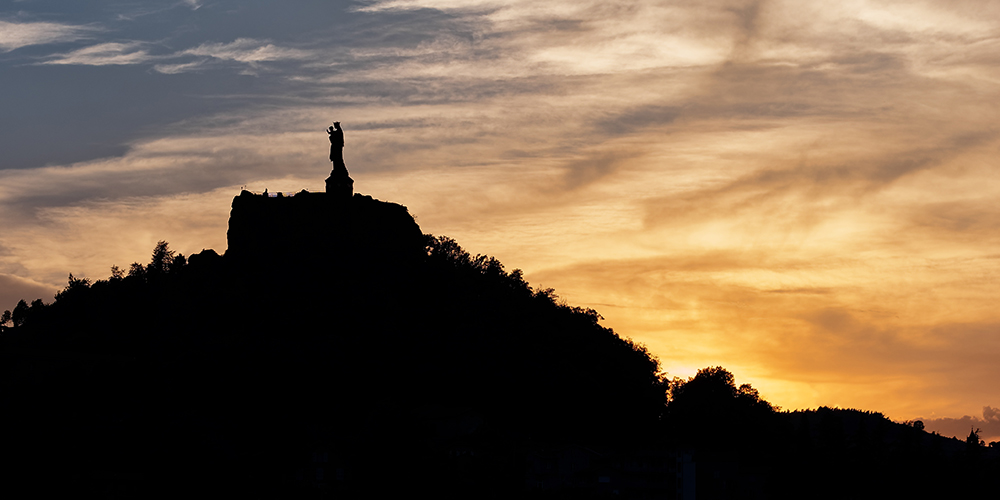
{"type": "Point", "coordinates": [335, 351]}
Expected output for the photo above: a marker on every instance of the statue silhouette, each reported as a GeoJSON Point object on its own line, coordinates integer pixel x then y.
{"type": "Point", "coordinates": [339, 183]}
{"type": "Point", "coordinates": [337, 147]}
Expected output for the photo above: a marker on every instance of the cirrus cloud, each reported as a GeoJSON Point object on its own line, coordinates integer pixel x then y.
{"type": "Point", "coordinates": [14, 35]}
{"type": "Point", "coordinates": [103, 54]}
{"type": "Point", "coordinates": [242, 50]}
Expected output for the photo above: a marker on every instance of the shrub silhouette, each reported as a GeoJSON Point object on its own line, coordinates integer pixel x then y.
{"type": "Point", "coordinates": [714, 413]}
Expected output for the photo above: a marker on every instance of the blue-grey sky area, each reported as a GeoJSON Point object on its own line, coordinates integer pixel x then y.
{"type": "Point", "coordinates": [803, 192]}
{"type": "Point", "coordinates": [116, 71]}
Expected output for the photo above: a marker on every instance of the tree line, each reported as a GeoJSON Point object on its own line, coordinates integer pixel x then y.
{"type": "Point", "coordinates": [232, 376]}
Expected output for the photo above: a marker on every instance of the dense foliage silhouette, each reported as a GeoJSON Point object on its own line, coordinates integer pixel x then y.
{"type": "Point", "coordinates": [245, 359]}
{"type": "Point", "coordinates": [354, 356]}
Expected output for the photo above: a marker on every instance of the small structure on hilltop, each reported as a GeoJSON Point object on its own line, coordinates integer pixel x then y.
{"type": "Point", "coordinates": [339, 184]}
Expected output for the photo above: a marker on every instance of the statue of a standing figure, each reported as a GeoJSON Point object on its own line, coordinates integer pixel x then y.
{"type": "Point", "coordinates": [337, 148]}
{"type": "Point", "coordinates": [339, 183]}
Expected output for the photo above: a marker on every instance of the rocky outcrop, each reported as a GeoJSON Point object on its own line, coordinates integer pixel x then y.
{"type": "Point", "coordinates": [317, 233]}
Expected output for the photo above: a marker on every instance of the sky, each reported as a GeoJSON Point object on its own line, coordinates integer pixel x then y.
{"type": "Point", "coordinates": [803, 192]}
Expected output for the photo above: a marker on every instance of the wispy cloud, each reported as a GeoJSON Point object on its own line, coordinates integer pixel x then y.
{"type": "Point", "coordinates": [136, 11]}
{"type": "Point", "coordinates": [14, 288]}
{"type": "Point", "coordinates": [104, 54]}
{"type": "Point", "coordinates": [390, 5]}
{"type": "Point", "coordinates": [173, 69]}
{"type": "Point", "coordinates": [14, 35]}
{"type": "Point", "coordinates": [245, 50]}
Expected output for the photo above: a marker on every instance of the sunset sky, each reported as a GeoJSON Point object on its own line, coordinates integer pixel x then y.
{"type": "Point", "coordinates": [803, 192]}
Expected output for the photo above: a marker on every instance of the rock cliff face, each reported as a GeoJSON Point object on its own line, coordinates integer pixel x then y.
{"type": "Point", "coordinates": [315, 232]}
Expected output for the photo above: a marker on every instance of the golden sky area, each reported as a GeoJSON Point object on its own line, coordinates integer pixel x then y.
{"type": "Point", "coordinates": [802, 192]}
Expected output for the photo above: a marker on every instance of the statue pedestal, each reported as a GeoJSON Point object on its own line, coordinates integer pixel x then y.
{"type": "Point", "coordinates": [339, 184]}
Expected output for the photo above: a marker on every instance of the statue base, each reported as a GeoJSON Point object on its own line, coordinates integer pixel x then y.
{"type": "Point", "coordinates": [339, 184]}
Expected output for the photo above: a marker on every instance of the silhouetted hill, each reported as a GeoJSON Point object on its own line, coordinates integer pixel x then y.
{"type": "Point", "coordinates": [336, 351]}
{"type": "Point", "coordinates": [331, 321]}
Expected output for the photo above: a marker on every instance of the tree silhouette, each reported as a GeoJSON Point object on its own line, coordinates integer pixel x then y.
{"type": "Point", "coordinates": [20, 313]}
{"type": "Point", "coordinates": [73, 287]}
{"type": "Point", "coordinates": [709, 410]}
{"type": "Point", "coordinates": [162, 260]}
{"type": "Point", "coordinates": [137, 270]}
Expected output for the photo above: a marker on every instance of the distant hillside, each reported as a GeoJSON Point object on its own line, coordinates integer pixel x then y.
{"type": "Point", "coordinates": [336, 351]}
